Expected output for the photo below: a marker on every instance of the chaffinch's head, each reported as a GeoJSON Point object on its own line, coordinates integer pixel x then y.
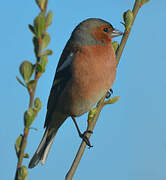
{"type": "Point", "coordinates": [94, 31]}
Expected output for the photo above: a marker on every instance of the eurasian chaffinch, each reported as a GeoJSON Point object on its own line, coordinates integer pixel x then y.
{"type": "Point", "coordinates": [85, 72]}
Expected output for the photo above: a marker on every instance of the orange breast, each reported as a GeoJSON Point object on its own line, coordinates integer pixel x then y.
{"type": "Point", "coordinates": [94, 70]}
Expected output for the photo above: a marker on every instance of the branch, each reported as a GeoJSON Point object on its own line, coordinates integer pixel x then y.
{"type": "Point", "coordinates": [41, 40]}
{"type": "Point", "coordinates": [129, 18]}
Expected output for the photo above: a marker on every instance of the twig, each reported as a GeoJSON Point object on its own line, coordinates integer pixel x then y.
{"type": "Point", "coordinates": [40, 40]}
{"type": "Point", "coordinates": [135, 10]}
{"type": "Point", "coordinates": [26, 130]}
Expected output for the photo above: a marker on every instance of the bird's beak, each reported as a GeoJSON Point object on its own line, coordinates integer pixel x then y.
{"type": "Point", "coordinates": [116, 33]}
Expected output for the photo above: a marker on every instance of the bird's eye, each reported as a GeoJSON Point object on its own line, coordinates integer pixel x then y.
{"type": "Point", "coordinates": [105, 29]}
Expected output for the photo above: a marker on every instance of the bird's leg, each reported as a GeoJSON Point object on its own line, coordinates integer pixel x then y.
{"type": "Point", "coordinates": [109, 93]}
{"type": "Point", "coordinates": [82, 135]}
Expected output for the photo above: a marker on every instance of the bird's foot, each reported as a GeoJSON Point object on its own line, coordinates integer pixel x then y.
{"type": "Point", "coordinates": [109, 93]}
{"type": "Point", "coordinates": [85, 138]}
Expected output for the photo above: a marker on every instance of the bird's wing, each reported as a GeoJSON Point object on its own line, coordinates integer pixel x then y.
{"type": "Point", "coordinates": [62, 76]}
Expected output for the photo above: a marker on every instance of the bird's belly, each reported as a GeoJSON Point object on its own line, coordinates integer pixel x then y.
{"type": "Point", "coordinates": [83, 95]}
{"type": "Point", "coordinates": [88, 96]}
{"type": "Point", "coordinates": [83, 104]}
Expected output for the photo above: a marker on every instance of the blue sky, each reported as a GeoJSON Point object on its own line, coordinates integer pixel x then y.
{"type": "Point", "coordinates": [130, 136]}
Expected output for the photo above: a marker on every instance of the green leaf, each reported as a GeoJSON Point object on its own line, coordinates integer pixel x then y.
{"type": "Point", "coordinates": [112, 100]}
{"type": "Point", "coordinates": [22, 173]}
{"type": "Point", "coordinates": [115, 45]}
{"type": "Point", "coordinates": [128, 19]}
{"type": "Point", "coordinates": [18, 79]}
{"type": "Point", "coordinates": [49, 18]}
{"type": "Point", "coordinates": [45, 40]}
{"type": "Point", "coordinates": [37, 104]}
{"type": "Point", "coordinates": [43, 63]}
{"type": "Point", "coordinates": [31, 28]}
{"type": "Point", "coordinates": [29, 117]}
{"type": "Point", "coordinates": [39, 25]}
{"type": "Point", "coordinates": [40, 4]}
{"type": "Point", "coordinates": [46, 52]}
{"type": "Point", "coordinates": [17, 145]}
{"type": "Point", "coordinates": [26, 70]}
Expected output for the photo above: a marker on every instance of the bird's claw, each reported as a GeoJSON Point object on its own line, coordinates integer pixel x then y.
{"type": "Point", "coordinates": [85, 138]}
{"type": "Point", "coordinates": [109, 93]}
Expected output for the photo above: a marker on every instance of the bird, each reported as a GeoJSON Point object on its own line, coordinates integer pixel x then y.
{"type": "Point", "coordinates": [84, 74]}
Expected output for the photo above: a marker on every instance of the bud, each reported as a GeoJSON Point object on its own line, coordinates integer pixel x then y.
{"type": "Point", "coordinates": [45, 40]}
{"type": "Point", "coordinates": [31, 28]}
{"type": "Point", "coordinates": [115, 45]}
{"type": "Point", "coordinates": [29, 117]}
{"type": "Point", "coordinates": [37, 104]}
{"type": "Point", "coordinates": [17, 145]}
{"type": "Point", "coordinates": [26, 70]}
{"type": "Point", "coordinates": [46, 52]}
{"type": "Point", "coordinates": [112, 100]}
{"type": "Point", "coordinates": [43, 63]}
{"type": "Point", "coordinates": [22, 173]}
{"type": "Point", "coordinates": [26, 156]}
{"type": "Point", "coordinates": [40, 3]}
{"type": "Point", "coordinates": [39, 25]}
{"type": "Point", "coordinates": [49, 18]}
{"type": "Point", "coordinates": [128, 19]}
{"type": "Point", "coordinates": [91, 114]}
{"type": "Point", "coordinates": [144, 1]}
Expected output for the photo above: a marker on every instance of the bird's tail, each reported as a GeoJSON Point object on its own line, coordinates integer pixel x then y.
{"type": "Point", "coordinates": [43, 148]}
